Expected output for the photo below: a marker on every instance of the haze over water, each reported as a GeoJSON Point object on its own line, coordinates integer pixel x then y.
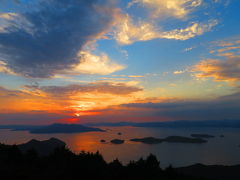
{"type": "Point", "coordinates": [219, 150]}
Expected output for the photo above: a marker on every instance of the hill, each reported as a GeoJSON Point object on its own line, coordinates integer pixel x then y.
{"type": "Point", "coordinates": [43, 148]}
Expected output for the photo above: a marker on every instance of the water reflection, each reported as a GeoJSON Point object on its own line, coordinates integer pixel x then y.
{"type": "Point", "coordinates": [217, 151]}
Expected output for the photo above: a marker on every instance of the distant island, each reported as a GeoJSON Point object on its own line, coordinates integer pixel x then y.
{"type": "Point", "coordinates": [202, 136]}
{"type": "Point", "coordinates": [176, 124]}
{"type": "Point", "coordinates": [117, 141]}
{"type": "Point", "coordinates": [170, 139]}
{"type": "Point", "coordinates": [52, 128]}
{"type": "Point", "coordinates": [181, 139]}
{"type": "Point", "coordinates": [64, 128]}
{"type": "Point", "coordinates": [148, 140]}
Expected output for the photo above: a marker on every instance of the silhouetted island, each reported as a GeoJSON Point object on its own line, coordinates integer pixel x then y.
{"type": "Point", "coordinates": [202, 136]}
{"type": "Point", "coordinates": [117, 141]}
{"type": "Point", "coordinates": [170, 139]}
{"type": "Point", "coordinates": [175, 124]}
{"type": "Point", "coordinates": [64, 128]}
{"type": "Point", "coordinates": [148, 140]}
{"type": "Point", "coordinates": [181, 139]}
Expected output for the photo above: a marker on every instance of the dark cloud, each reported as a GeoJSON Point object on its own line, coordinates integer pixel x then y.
{"type": "Point", "coordinates": [31, 118]}
{"type": "Point", "coordinates": [46, 39]}
{"type": "Point", "coordinates": [10, 93]}
{"type": "Point", "coordinates": [99, 87]}
{"type": "Point", "coordinates": [225, 107]}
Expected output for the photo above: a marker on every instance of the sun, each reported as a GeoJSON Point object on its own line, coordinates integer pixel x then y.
{"type": "Point", "coordinates": [77, 114]}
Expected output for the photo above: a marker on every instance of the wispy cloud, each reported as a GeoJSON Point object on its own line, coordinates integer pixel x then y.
{"type": "Point", "coordinates": [128, 32]}
{"type": "Point", "coordinates": [97, 87]}
{"type": "Point", "coordinates": [178, 72]}
{"type": "Point", "coordinates": [219, 70]}
{"type": "Point", "coordinates": [163, 8]}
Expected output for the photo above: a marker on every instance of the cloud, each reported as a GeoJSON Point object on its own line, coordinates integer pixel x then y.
{"type": "Point", "coordinates": [188, 49]}
{"type": "Point", "coordinates": [219, 70]}
{"type": "Point", "coordinates": [31, 117]}
{"type": "Point", "coordinates": [7, 92]}
{"type": "Point", "coordinates": [221, 108]}
{"type": "Point", "coordinates": [93, 64]}
{"type": "Point", "coordinates": [178, 72]}
{"type": "Point", "coordinates": [8, 16]}
{"type": "Point", "coordinates": [195, 29]}
{"type": "Point", "coordinates": [97, 87]}
{"type": "Point", "coordinates": [132, 29]}
{"type": "Point", "coordinates": [225, 107]}
{"type": "Point", "coordinates": [228, 48]}
{"type": "Point", "coordinates": [170, 8]}
{"type": "Point", "coordinates": [46, 40]}
{"type": "Point", "coordinates": [5, 69]}
{"type": "Point", "coordinates": [74, 97]}
{"type": "Point", "coordinates": [128, 32]}
{"type": "Point", "coordinates": [223, 47]}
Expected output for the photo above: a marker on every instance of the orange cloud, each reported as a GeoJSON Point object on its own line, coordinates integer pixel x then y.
{"type": "Point", "coordinates": [93, 64]}
{"type": "Point", "coordinates": [220, 70]}
{"type": "Point", "coordinates": [227, 48]}
{"type": "Point", "coordinates": [128, 32]}
{"type": "Point", "coordinates": [172, 8]}
{"type": "Point", "coordinates": [76, 98]}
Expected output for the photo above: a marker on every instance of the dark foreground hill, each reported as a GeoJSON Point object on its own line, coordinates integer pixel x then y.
{"type": "Point", "coordinates": [219, 172]}
{"type": "Point", "coordinates": [212, 171]}
{"type": "Point", "coordinates": [62, 164]}
{"type": "Point", "coordinates": [42, 147]}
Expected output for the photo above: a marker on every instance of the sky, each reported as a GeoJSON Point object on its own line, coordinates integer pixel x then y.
{"type": "Point", "coordinates": [71, 61]}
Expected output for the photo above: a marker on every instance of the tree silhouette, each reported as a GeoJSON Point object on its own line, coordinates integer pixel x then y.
{"type": "Point", "coordinates": [62, 164]}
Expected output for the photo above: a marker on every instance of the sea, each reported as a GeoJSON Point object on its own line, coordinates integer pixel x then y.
{"type": "Point", "coordinates": [218, 150]}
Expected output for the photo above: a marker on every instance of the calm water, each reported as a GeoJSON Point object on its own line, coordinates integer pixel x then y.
{"type": "Point", "coordinates": [217, 150]}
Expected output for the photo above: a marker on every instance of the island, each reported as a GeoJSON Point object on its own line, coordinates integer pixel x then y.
{"type": "Point", "coordinates": [64, 128]}
{"type": "Point", "coordinates": [202, 136]}
{"type": "Point", "coordinates": [181, 139]}
{"type": "Point", "coordinates": [148, 140]}
{"type": "Point", "coordinates": [170, 139]}
{"type": "Point", "coordinates": [117, 141]}
{"type": "Point", "coordinates": [102, 141]}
